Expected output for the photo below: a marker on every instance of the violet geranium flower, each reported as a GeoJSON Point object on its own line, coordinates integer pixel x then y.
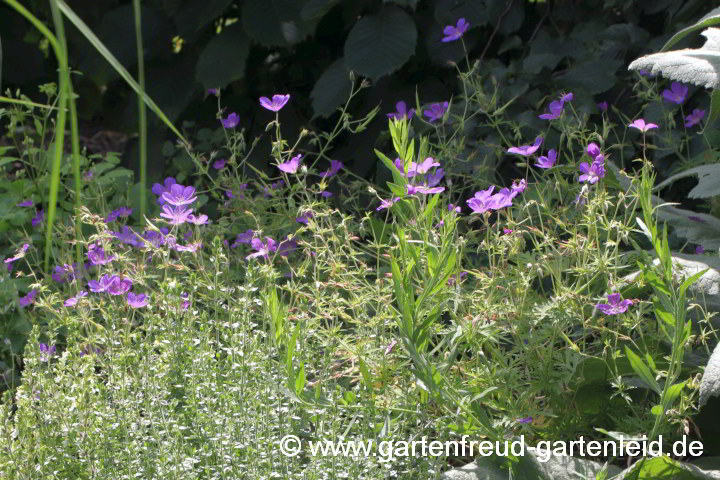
{"type": "Point", "coordinates": [455, 32]}
{"type": "Point", "coordinates": [72, 301]}
{"type": "Point", "coordinates": [119, 286]}
{"type": "Point", "coordinates": [603, 106]}
{"type": "Point", "coordinates": [219, 164]}
{"type": "Point", "coordinates": [176, 215]}
{"type": "Point", "coordinates": [276, 104]}
{"type": "Point", "coordinates": [159, 189]}
{"type": "Point", "coordinates": [97, 256]}
{"type": "Point", "coordinates": [694, 118]}
{"type": "Point", "coordinates": [232, 121]}
{"type": "Point", "coordinates": [46, 352]}
{"type": "Point", "coordinates": [26, 203]}
{"type": "Point", "coordinates": [676, 94]}
{"type": "Point", "coordinates": [292, 165]}
{"type": "Point", "coordinates": [102, 285]}
{"type": "Point", "coordinates": [425, 190]}
{"type": "Point", "coordinates": [436, 111]}
{"type": "Point", "coordinates": [614, 306]}
{"type": "Point", "coordinates": [179, 195]}
{"type": "Point", "coordinates": [387, 203]}
{"type": "Point", "coordinates": [27, 299]}
{"type": "Point", "coordinates": [335, 167]}
{"type": "Point", "coordinates": [527, 150]}
{"type": "Point", "coordinates": [401, 112]}
{"type": "Point", "coordinates": [555, 109]}
{"type": "Point", "coordinates": [591, 173]}
{"type": "Point", "coordinates": [262, 249]}
{"type": "Point", "coordinates": [137, 300]}
{"type": "Point", "coordinates": [38, 219]}
{"type": "Point", "coordinates": [547, 161]}
{"type": "Point", "coordinates": [642, 126]}
{"type": "Point", "coordinates": [482, 201]}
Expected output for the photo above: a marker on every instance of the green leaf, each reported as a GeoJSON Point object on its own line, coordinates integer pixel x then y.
{"type": "Point", "coordinates": [300, 381]}
{"type": "Point", "coordinates": [275, 23]}
{"type": "Point", "coordinates": [594, 76]}
{"type": "Point", "coordinates": [223, 59]}
{"type": "Point", "coordinates": [665, 468]}
{"type": "Point", "coordinates": [331, 90]}
{"type": "Point", "coordinates": [642, 370]}
{"type": "Point", "coordinates": [315, 9]}
{"type": "Point", "coordinates": [712, 18]}
{"type": "Point", "coordinates": [708, 180]}
{"type": "Point", "coordinates": [380, 44]}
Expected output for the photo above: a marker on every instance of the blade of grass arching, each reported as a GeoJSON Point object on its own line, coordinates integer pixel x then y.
{"type": "Point", "coordinates": [142, 117]}
{"type": "Point", "coordinates": [110, 58]}
{"type": "Point", "coordinates": [26, 103]}
{"type": "Point", "coordinates": [64, 76]}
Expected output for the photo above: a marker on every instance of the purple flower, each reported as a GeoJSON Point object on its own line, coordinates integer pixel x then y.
{"type": "Point", "coordinates": [179, 195]}
{"type": "Point", "coordinates": [292, 165]}
{"type": "Point", "coordinates": [120, 212]}
{"type": "Point", "coordinates": [453, 33]}
{"type": "Point", "coordinates": [453, 208]}
{"type": "Point", "coordinates": [677, 93]}
{"type": "Point", "coordinates": [696, 219]}
{"type": "Point", "coordinates": [102, 285]}
{"type": "Point", "coordinates": [198, 220]}
{"type": "Point", "coordinates": [547, 162]}
{"type": "Point", "coordinates": [390, 347]}
{"type": "Point", "coordinates": [426, 165]}
{"type": "Point", "coordinates": [593, 150]}
{"type": "Point", "coordinates": [231, 121]}
{"type": "Point", "coordinates": [694, 118]}
{"type": "Point", "coordinates": [245, 237]}
{"type": "Point", "coordinates": [482, 201]}
{"type": "Point", "coordinates": [518, 188]}
{"type": "Point", "coordinates": [335, 167]}
{"type": "Point", "coordinates": [645, 73]}
{"type": "Point", "coordinates": [507, 231]}
{"type": "Point", "coordinates": [699, 250]}
{"type": "Point", "coordinates": [192, 247]}
{"type": "Point", "coordinates": [158, 189]}
{"type": "Point", "coordinates": [614, 305]}
{"type": "Point", "coordinates": [137, 300]}
{"type": "Point", "coordinates": [72, 301]}
{"type": "Point", "coordinates": [326, 194]}
{"type": "Point", "coordinates": [435, 178]}
{"type": "Point", "coordinates": [524, 420]}
{"type": "Point", "coordinates": [176, 215]}
{"type": "Point", "coordinates": [387, 203]}
{"type": "Point", "coordinates": [20, 254]}
{"type": "Point", "coordinates": [425, 190]}
{"type": "Point", "coordinates": [602, 106]}
{"type": "Point", "coordinates": [27, 299]}
{"type": "Point", "coordinates": [642, 126]}
{"type": "Point", "coordinates": [305, 217]}
{"type": "Point", "coordinates": [62, 274]}
{"type": "Point", "coordinates": [26, 203]}
{"type": "Point", "coordinates": [412, 168]}
{"type": "Point", "coordinates": [88, 175]}
{"type": "Point", "coordinates": [436, 111]}
{"type": "Point", "coordinates": [96, 255]}
{"type": "Point", "coordinates": [287, 246]}
{"type": "Point", "coordinates": [38, 219]}
{"type": "Point", "coordinates": [119, 287]}
{"type": "Point", "coordinates": [213, 91]}
{"type": "Point", "coordinates": [402, 111]}
{"type": "Point", "coordinates": [262, 249]}
{"type": "Point", "coordinates": [502, 199]}
{"type": "Point", "coordinates": [277, 102]}
{"type": "Point", "coordinates": [527, 150]}
{"type": "Point", "coordinates": [46, 352]}
{"type": "Point", "coordinates": [454, 278]}
{"type": "Point", "coordinates": [591, 173]}
{"type": "Point", "coordinates": [219, 164]}
{"type": "Point", "coordinates": [567, 98]}
{"type": "Point", "coordinates": [555, 110]}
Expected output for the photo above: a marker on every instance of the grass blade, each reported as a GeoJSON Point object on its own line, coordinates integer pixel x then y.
{"type": "Point", "coordinates": [142, 114]}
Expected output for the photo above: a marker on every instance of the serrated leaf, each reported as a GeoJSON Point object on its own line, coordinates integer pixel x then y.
{"type": "Point", "coordinates": [380, 44]}
{"type": "Point", "coordinates": [331, 90]}
{"type": "Point", "coordinates": [275, 23]}
{"type": "Point", "coordinates": [223, 58]}
{"type": "Point", "coordinates": [710, 384]}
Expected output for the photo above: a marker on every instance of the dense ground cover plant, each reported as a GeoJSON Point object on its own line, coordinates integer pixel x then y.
{"type": "Point", "coordinates": [300, 299]}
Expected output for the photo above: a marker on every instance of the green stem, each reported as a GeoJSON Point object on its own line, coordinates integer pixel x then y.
{"type": "Point", "coordinates": [142, 114]}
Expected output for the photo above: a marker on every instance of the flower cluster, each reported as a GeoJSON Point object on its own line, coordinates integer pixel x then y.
{"type": "Point", "coordinates": [592, 172]}
{"type": "Point", "coordinates": [486, 201]}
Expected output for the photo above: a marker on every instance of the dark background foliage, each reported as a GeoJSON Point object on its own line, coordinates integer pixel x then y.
{"type": "Point", "coordinates": [531, 49]}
